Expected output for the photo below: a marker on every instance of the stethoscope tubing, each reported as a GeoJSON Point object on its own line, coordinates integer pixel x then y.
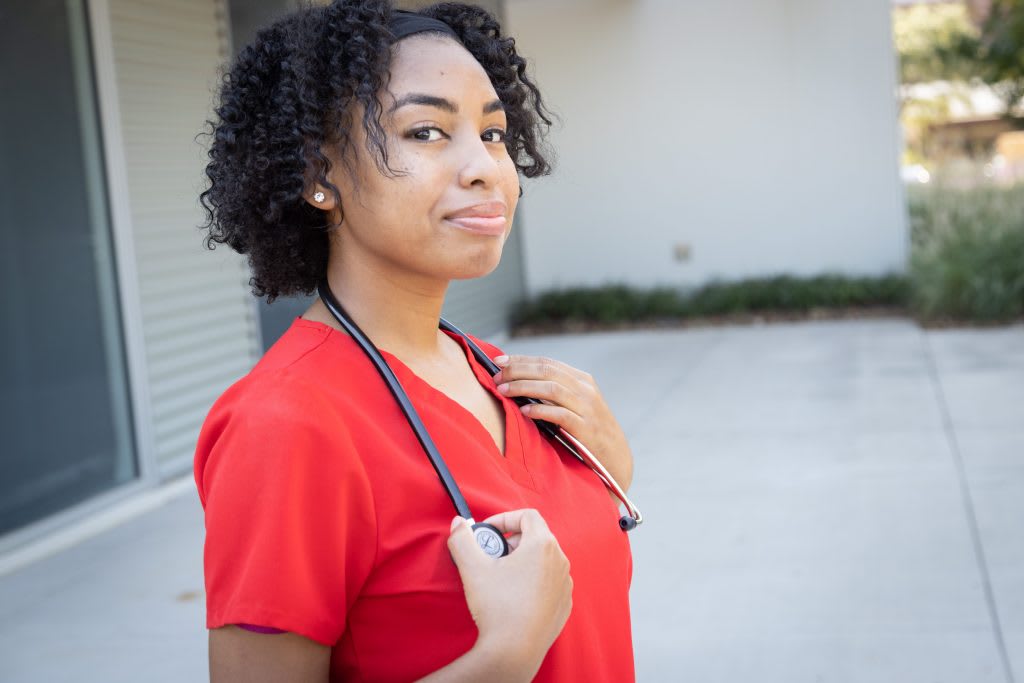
{"type": "Point", "coordinates": [557, 432]}
{"type": "Point", "coordinates": [573, 445]}
{"type": "Point", "coordinates": [458, 500]}
{"type": "Point", "coordinates": [633, 518]}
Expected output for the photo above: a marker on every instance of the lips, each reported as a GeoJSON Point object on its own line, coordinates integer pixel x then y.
{"type": "Point", "coordinates": [486, 218]}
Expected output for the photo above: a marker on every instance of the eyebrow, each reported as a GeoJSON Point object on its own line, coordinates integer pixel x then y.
{"type": "Point", "coordinates": [441, 103]}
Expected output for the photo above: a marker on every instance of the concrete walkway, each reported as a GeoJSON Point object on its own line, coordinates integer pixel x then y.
{"type": "Point", "coordinates": [825, 502]}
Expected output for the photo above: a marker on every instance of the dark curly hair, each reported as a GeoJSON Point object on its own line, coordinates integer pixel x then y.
{"type": "Point", "coordinates": [291, 92]}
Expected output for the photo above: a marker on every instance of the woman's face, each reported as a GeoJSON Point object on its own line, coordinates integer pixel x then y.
{"type": "Point", "coordinates": [447, 213]}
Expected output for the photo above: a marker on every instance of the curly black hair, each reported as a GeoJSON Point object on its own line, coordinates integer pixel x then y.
{"type": "Point", "coordinates": [291, 92]}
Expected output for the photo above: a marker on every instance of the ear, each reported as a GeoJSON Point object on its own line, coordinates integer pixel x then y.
{"type": "Point", "coordinates": [321, 198]}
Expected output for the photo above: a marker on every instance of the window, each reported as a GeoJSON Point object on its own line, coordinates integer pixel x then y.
{"type": "Point", "coordinates": [65, 422]}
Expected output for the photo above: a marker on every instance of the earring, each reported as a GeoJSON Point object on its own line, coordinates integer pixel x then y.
{"type": "Point", "coordinates": [319, 197]}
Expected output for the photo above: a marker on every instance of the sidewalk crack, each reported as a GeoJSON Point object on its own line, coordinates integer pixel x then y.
{"type": "Point", "coordinates": [969, 512]}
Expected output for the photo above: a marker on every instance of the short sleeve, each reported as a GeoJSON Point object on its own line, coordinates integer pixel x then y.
{"type": "Point", "coordinates": [290, 522]}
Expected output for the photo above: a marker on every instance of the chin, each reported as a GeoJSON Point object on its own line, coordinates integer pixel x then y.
{"type": "Point", "coordinates": [479, 265]}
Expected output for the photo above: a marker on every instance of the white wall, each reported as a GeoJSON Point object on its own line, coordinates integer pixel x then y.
{"type": "Point", "coordinates": [197, 317]}
{"type": "Point", "coordinates": [763, 133]}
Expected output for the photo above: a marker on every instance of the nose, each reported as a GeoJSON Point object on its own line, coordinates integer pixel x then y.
{"type": "Point", "coordinates": [479, 167]}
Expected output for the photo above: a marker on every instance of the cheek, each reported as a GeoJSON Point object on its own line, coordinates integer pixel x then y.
{"type": "Point", "coordinates": [421, 175]}
{"type": "Point", "coordinates": [409, 192]}
{"type": "Point", "coordinates": [510, 184]}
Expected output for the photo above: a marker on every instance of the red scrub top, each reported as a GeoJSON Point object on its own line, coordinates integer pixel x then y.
{"type": "Point", "coordinates": [324, 516]}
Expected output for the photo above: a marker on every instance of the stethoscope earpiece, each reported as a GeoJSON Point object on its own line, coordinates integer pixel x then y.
{"type": "Point", "coordinates": [627, 523]}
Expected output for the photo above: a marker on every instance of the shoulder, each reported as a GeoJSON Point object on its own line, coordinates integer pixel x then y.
{"type": "Point", "coordinates": [301, 344]}
{"type": "Point", "coordinates": [267, 422]}
{"type": "Point", "coordinates": [490, 349]}
{"type": "Point", "coordinates": [284, 417]}
{"type": "Point", "coordinates": [279, 395]}
{"type": "Point", "coordinates": [299, 378]}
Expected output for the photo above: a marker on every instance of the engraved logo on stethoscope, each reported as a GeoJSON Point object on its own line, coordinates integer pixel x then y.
{"type": "Point", "coordinates": [487, 540]}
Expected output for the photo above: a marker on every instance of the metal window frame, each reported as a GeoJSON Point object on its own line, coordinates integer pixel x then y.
{"type": "Point", "coordinates": [124, 240]}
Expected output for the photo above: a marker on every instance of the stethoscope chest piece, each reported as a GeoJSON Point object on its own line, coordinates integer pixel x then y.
{"type": "Point", "coordinates": [490, 540]}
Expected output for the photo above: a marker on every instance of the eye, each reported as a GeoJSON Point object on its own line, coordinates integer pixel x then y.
{"type": "Point", "coordinates": [427, 134]}
{"type": "Point", "coordinates": [496, 135]}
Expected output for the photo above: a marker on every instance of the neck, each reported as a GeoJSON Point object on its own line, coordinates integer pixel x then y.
{"type": "Point", "coordinates": [398, 312]}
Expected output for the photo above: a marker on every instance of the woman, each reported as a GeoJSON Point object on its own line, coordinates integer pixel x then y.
{"type": "Point", "coordinates": [382, 151]}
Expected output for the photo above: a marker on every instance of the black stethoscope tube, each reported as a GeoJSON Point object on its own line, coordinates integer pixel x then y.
{"type": "Point", "coordinates": [627, 522]}
{"type": "Point", "coordinates": [458, 500]}
{"type": "Point", "coordinates": [487, 536]}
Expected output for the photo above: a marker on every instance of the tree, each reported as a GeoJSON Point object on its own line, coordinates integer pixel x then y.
{"type": "Point", "coordinates": [998, 51]}
{"type": "Point", "coordinates": [943, 42]}
{"type": "Point", "coordinates": [931, 40]}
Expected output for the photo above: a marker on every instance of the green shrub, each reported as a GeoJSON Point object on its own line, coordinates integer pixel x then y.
{"type": "Point", "coordinates": [967, 258]}
{"type": "Point", "coordinates": [967, 264]}
{"type": "Point", "coordinates": [793, 294]}
{"type": "Point", "coordinates": [617, 303]}
{"type": "Point", "coordinates": [607, 304]}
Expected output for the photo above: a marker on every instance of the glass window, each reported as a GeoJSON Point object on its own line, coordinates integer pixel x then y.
{"type": "Point", "coordinates": [65, 424]}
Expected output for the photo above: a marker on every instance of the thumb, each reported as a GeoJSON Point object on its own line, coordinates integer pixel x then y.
{"type": "Point", "coordinates": [463, 546]}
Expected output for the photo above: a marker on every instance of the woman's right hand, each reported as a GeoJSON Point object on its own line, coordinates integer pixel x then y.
{"type": "Point", "coordinates": [521, 601]}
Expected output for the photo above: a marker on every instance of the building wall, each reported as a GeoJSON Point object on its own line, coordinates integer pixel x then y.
{"type": "Point", "coordinates": [198, 322]}
{"type": "Point", "coordinates": [760, 134]}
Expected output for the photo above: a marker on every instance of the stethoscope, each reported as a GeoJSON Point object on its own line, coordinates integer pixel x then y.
{"type": "Point", "coordinates": [487, 536]}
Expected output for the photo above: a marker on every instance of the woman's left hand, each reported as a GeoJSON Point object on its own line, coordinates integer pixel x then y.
{"type": "Point", "coordinates": [572, 401]}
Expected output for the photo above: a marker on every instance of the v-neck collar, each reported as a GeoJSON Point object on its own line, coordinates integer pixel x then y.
{"type": "Point", "coordinates": [513, 460]}
{"type": "Point", "coordinates": [485, 380]}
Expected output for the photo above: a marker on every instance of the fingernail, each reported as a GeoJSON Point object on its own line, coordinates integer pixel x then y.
{"type": "Point", "coordinates": [501, 360]}
{"type": "Point", "coordinates": [455, 523]}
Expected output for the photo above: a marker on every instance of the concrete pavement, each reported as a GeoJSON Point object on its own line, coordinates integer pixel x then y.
{"type": "Point", "coordinates": [824, 502]}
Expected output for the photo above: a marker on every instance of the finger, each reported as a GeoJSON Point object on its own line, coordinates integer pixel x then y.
{"type": "Point", "coordinates": [553, 391]}
{"type": "Point", "coordinates": [518, 521]}
{"type": "Point", "coordinates": [463, 546]}
{"type": "Point", "coordinates": [560, 415]}
{"type": "Point", "coordinates": [542, 367]}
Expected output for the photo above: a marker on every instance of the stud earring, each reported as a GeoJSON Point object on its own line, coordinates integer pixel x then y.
{"type": "Point", "coordinates": [319, 197]}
